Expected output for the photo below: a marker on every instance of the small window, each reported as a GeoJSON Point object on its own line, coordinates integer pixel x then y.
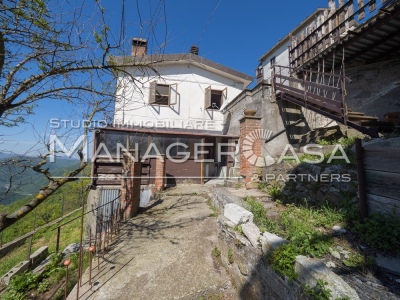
{"type": "Point", "coordinates": [272, 62]}
{"type": "Point", "coordinates": [162, 94]}
{"type": "Point", "coordinates": [259, 71]}
{"type": "Point", "coordinates": [214, 98]}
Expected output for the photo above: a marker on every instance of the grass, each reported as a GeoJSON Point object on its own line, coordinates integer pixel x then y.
{"type": "Point", "coordinates": [216, 252]}
{"type": "Point", "coordinates": [230, 257]}
{"type": "Point", "coordinates": [260, 215]}
{"type": "Point", "coordinates": [50, 279]}
{"type": "Point", "coordinates": [306, 228]}
{"type": "Point", "coordinates": [380, 231]}
{"type": "Point", "coordinates": [51, 209]}
{"type": "Point", "coordinates": [69, 234]}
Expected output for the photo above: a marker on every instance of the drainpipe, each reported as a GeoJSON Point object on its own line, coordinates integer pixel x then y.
{"type": "Point", "coordinates": [362, 193]}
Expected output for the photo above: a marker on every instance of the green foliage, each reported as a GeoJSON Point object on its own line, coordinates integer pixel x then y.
{"type": "Point", "coordinates": [283, 259]}
{"type": "Point", "coordinates": [43, 286]}
{"type": "Point", "coordinates": [319, 292]}
{"type": "Point", "coordinates": [51, 209]}
{"type": "Point", "coordinates": [261, 185]}
{"type": "Point", "coordinates": [275, 191]}
{"type": "Point", "coordinates": [47, 236]}
{"type": "Point", "coordinates": [216, 252]}
{"type": "Point", "coordinates": [213, 297]}
{"type": "Point", "coordinates": [239, 229]}
{"type": "Point", "coordinates": [260, 215]}
{"type": "Point", "coordinates": [215, 211]}
{"type": "Point", "coordinates": [380, 231]}
{"type": "Point", "coordinates": [13, 295]}
{"type": "Point", "coordinates": [299, 225]}
{"type": "Point", "coordinates": [230, 257]}
{"type": "Point", "coordinates": [20, 284]}
{"type": "Point", "coordinates": [356, 260]}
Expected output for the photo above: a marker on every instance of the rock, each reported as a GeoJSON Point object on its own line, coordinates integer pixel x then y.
{"type": "Point", "coordinates": [42, 266]}
{"type": "Point", "coordinates": [18, 269]}
{"type": "Point", "coordinates": [273, 215]}
{"type": "Point", "coordinates": [338, 229]}
{"type": "Point", "coordinates": [270, 242]}
{"type": "Point", "coordinates": [335, 254]}
{"type": "Point", "coordinates": [389, 264]}
{"type": "Point", "coordinates": [38, 256]}
{"type": "Point", "coordinates": [311, 269]}
{"type": "Point", "coordinates": [345, 253]}
{"type": "Point", "coordinates": [334, 196]}
{"type": "Point", "coordinates": [71, 248]}
{"type": "Point", "coordinates": [237, 214]}
{"type": "Point", "coordinates": [252, 233]}
{"type": "Point", "coordinates": [333, 169]}
{"type": "Point", "coordinates": [249, 185]}
{"type": "Point", "coordinates": [324, 188]}
{"type": "Point", "coordinates": [330, 264]}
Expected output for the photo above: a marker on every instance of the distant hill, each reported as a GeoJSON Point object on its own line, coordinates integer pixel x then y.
{"type": "Point", "coordinates": [28, 182]}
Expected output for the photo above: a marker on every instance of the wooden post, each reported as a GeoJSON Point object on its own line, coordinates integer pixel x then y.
{"type": "Point", "coordinates": [28, 254]}
{"type": "Point", "coordinates": [361, 13]}
{"type": "Point", "coordinates": [58, 239]}
{"type": "Point", "coordinates": [372, 6]}
{"type": "Point", "coordinates": [202, 163]}
{"type": "Point", "coordinates": [362, 193]}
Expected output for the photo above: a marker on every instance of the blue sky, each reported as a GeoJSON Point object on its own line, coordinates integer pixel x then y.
{"type": "Point", "coordinates": [234, 33]}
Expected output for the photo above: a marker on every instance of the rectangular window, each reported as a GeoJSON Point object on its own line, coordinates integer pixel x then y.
{"type": "Point", "coordinates": [272, 62]}
{"type": "Point", "coordinates": [214, 98]}
{"type": "Point", "coordinates": [163, 94]}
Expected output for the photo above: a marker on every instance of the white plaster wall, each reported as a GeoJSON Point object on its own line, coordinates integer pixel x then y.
{"type": "Point", "coordinates": [281, 58]}
{"type": "Point", "coordinates": [132, 106]}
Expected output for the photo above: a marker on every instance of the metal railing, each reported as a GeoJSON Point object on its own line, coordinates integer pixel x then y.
{"type": "Point", "coordinates": [313, 89]}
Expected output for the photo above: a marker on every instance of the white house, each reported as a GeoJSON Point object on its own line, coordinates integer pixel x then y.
{"type": "Point", "coordinates": [169, 99]}
{"type": "Point", "coordinates": [279, 53]}
{"type": "Point", "coordinates": [184, 91]}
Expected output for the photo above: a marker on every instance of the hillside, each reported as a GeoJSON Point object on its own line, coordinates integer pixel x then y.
{"type": "Point", "coordinates": [28, 182]}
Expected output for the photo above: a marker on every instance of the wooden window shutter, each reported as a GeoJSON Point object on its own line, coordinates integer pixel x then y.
{"type": "Point", "coordinates": [207, 98]}
{"type": "Point", "coordinates": [173, 94]}
{"type": "Point", "coordinates": [224, 96]}
{"type": "Point", "coordinates": [152, 92]}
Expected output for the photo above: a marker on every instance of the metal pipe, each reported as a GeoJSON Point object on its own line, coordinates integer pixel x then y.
{"type": "Point", "coordinates": [66, 264]}
{"type": "Point", "coordinates": [28, 254]}
{"type": "Point", "coordinates": [361, 180]}
{"type": "Point", "coordinates": [80, 250]}
{"type": "Point", "coordinates": [91, 249]}
{"type": "Point", "coordinates": [58, 239]}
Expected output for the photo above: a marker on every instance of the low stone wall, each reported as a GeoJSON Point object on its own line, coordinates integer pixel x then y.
{"type": "Point", "coordinates": [251, 275]}
{"type": "Point", "coordinates": [34, 260]}
{"type": "Point", "coordinates": [244, 257]}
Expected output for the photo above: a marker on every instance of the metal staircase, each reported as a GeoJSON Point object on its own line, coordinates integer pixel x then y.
{"type": "Point", "coordinates": [323, 93]}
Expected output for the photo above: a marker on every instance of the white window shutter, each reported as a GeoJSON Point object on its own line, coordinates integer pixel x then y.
{"type": "Point", "coordinates": [173, 94]}
{"type": "Point", "coordinates": [152, 92]}
{"type": "Point", "coordinates": [207, 98]}
{"type": "Point", "coordinates": [224, 96]}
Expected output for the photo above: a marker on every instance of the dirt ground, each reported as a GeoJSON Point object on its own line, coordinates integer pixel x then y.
{"type": "Point", "coordinates": [164, 253]}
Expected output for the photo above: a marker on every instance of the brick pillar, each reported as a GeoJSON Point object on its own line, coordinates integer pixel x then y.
{"type": "Point", "coordinates": [159, 181]}
{"type": "Point", "coordinates": [250, 145]}
{"type": "Point", "coordinates": [131, 180]}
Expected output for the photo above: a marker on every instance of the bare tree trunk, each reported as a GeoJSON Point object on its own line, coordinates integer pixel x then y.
{"type": "Point", "coordinates": [6, 220]}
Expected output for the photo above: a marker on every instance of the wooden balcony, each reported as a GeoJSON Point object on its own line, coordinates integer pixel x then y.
{"type": "Point", "coordinates": [356, 30]}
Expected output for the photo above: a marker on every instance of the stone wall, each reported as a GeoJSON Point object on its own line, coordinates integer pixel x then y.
{"type": "Point", "coordinates": [374, 89]}
{"type": "Point", "coordinates": [244, 257]}
{"type": "Point", "coordinates": [277, 118]}
{"type": "Point", "coordinates": [245, 263]}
